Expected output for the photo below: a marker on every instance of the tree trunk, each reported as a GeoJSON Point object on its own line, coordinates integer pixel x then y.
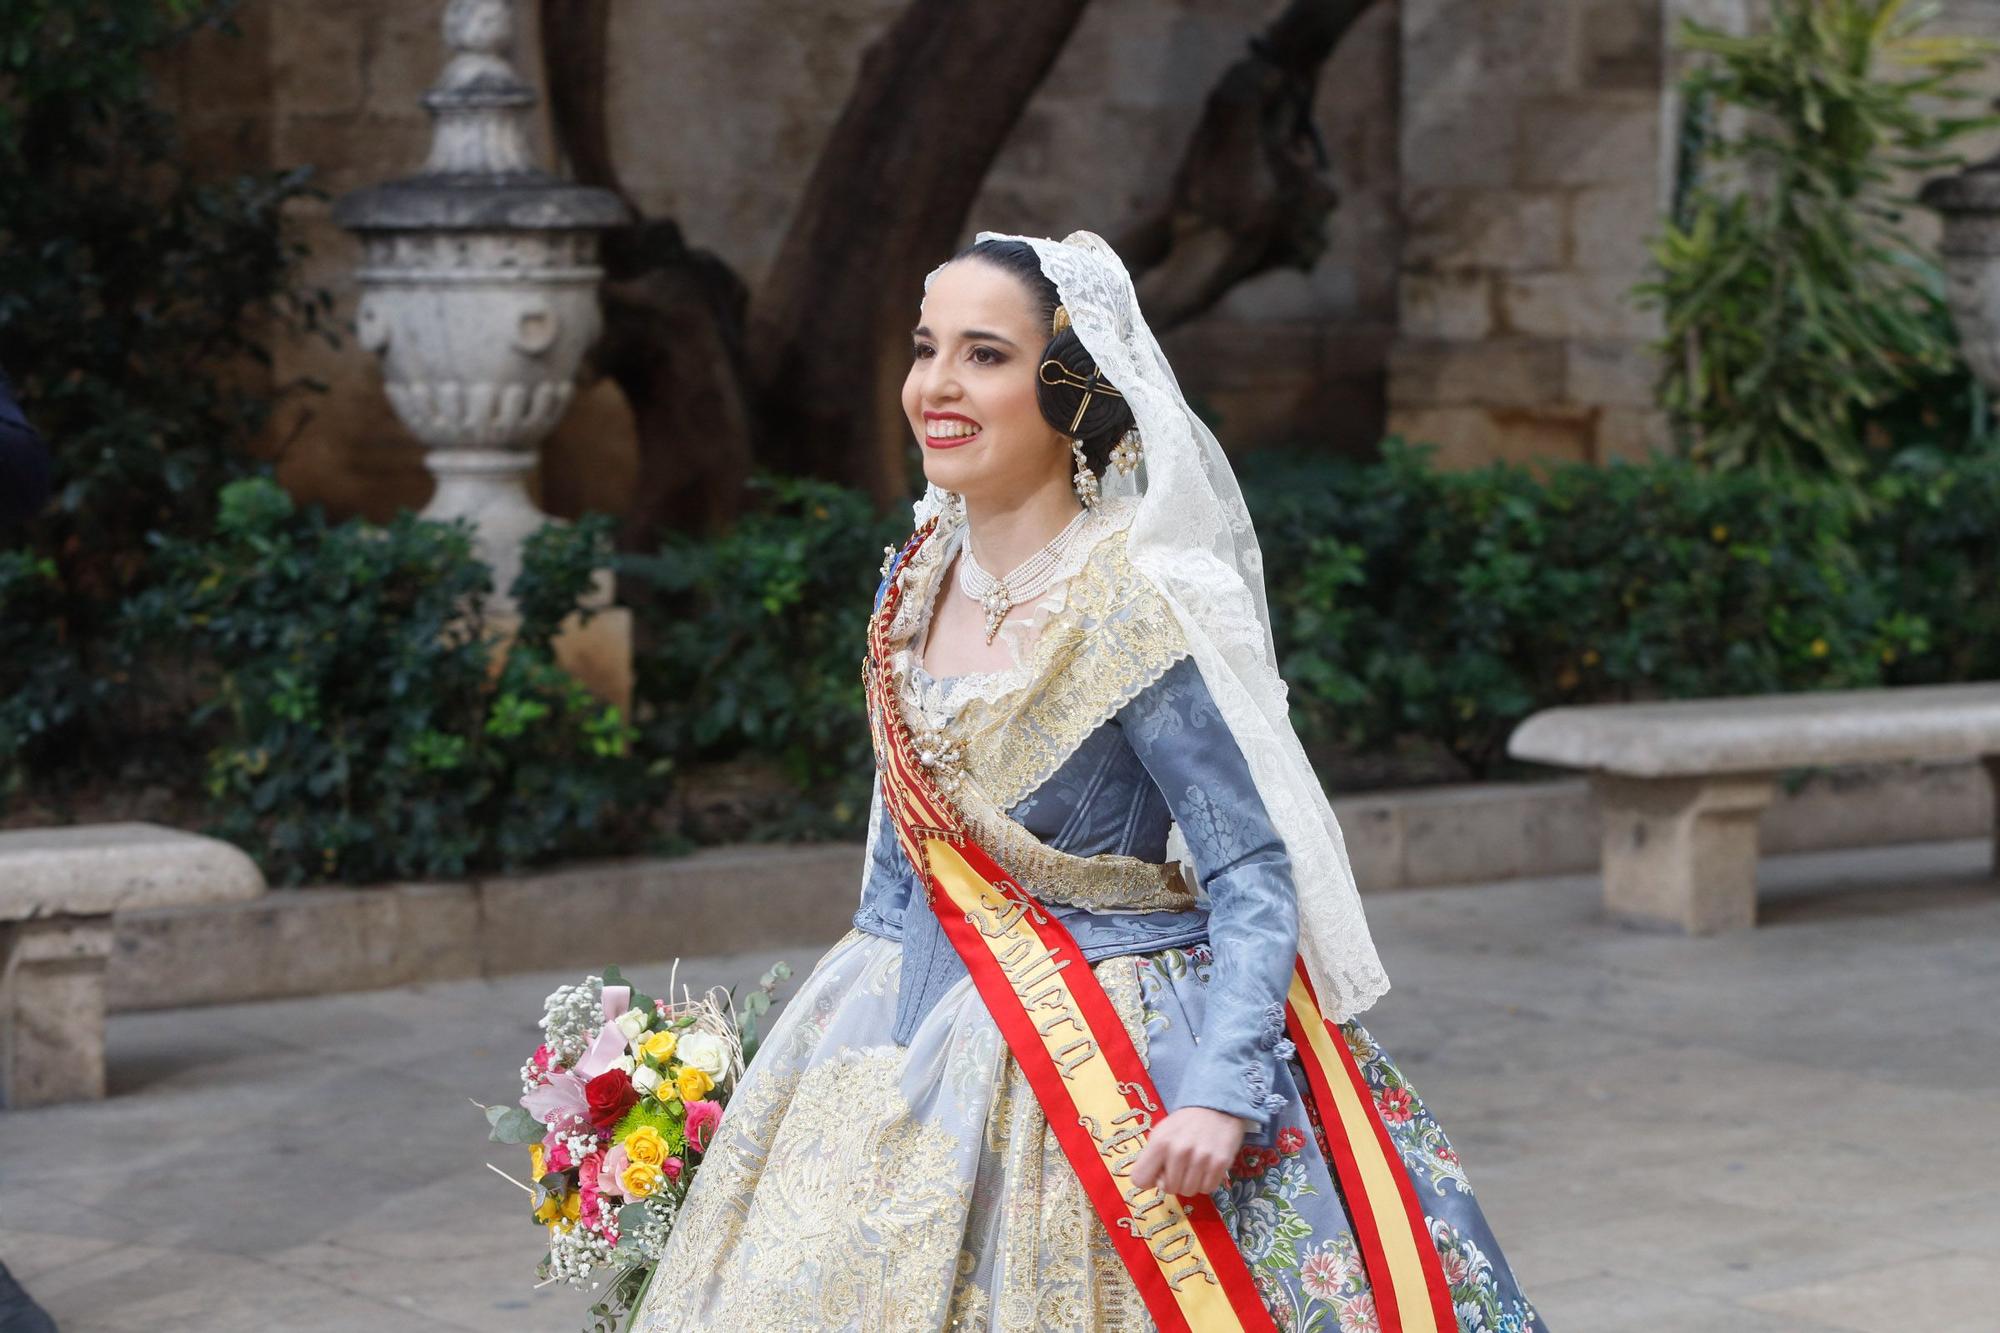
{"type": "Point", "coordinates": [1248, 195]}
{"type": "Point", "coordinates": [803, 377]}
{"type": "Point", "coordinates": [673, 316]}
{"type": "Point", "coordinates": [934, 102]}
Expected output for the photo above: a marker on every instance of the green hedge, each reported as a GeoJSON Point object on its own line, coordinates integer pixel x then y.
{"type": "Point", "coordinates": [350, 727]}
{"type": "Point", "coordinates": [1450, 605]}
{"type": "Point", "coordinates": [363, 724]}
{"type": "Point", "coordinates": [753, 645]}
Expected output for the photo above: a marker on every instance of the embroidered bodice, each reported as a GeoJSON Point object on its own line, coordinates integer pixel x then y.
{"type": "Point", "coordinates": [1072, 766]}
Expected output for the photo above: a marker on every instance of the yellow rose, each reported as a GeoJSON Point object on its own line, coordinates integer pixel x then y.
{"type": "Point", "coordinates": [659, 1047]}
{"type": "Point", "coordinates": [560, 1212]}
{"type": "Point", "coordinates": [693, 1083]}
{"type": "Point", "coordinates": [538, 1162]}
{"type": "Point", "coordinates": [644, 1145]}
{"type": "Point", "coordinates": [640, 1180]}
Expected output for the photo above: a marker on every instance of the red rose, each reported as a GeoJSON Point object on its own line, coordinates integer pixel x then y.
{"type": "Point", "coordinates": [610, 1095]}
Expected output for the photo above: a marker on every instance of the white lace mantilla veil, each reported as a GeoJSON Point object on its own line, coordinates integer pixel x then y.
{"type": "Point", "coordinates": [1191, 536]}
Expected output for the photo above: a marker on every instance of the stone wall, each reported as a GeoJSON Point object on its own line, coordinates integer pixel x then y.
{"type": "Point", "coordinates": [719, 108]}
{"type": "Point", "coordinates": [1537, 159]}
{"type": "Point", "coordinates": [1531, 171]}
{"type": "Point", "coordinates": [1501, 167]}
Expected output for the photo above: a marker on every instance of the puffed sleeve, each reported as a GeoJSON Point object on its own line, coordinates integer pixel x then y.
{"type": "Point", "coordinates": [1179, 735]}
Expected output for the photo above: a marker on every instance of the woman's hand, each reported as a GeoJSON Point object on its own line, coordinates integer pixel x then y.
{"type": "Point", "coordinates": [1189, 1150]}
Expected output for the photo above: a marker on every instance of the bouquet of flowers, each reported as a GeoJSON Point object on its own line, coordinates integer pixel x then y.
{"type": "Point", "coordinates": [618, 1104]}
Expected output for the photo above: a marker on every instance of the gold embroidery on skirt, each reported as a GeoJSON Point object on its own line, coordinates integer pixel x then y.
{"type": "Point", "coordinates": [1056, 1266]}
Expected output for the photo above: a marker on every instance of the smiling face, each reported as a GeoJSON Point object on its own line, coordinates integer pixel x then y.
{"type": "Point", "coordinates": [970, 393]}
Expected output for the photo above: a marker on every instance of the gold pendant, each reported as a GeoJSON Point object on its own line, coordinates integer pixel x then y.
{"type": "Point", "coordinates": [997, 604]}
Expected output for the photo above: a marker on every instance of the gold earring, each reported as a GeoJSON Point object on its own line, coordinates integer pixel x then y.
{"type": "Point", "coordinates": [1085, 480]}
{"type": "Point", "coordinates": [1125, 453]}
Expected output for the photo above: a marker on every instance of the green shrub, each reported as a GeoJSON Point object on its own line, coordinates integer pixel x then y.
{"type": "Point", "coordinates": [1450, 605]}
{"type": "Point", "coordinates": [135, 298]}
{"type": "Point", "coordinates": [756, 640]}
{"type": "Point", "coordinates": [360, 726]}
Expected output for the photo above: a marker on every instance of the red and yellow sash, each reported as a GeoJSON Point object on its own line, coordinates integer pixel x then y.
{"type": "Point", "coordinates": [1095, 1090]}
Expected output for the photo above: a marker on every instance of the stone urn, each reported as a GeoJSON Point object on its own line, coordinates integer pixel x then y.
{"type": "Point", "coordinates": [1969, 203]}
{"type": "Point", "coordinates": [479, 290]}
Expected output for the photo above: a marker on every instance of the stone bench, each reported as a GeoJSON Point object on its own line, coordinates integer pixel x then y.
{"type": "Point", "coordinates": [1680, 785]}
{"type": "Point", "coordinates": [58, 889]}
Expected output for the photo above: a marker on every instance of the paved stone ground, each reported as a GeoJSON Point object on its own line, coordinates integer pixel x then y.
{"type": "Point", "coordinates": [1788, 1129]}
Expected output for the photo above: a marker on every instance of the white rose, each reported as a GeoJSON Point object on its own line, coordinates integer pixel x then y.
{"type": "Point", "coordinates": [705, 1052]}
{"type": "Point", "coordinates": [626, 1063]}
{"type": "Point", "coordinates": [631, 1023]}
{"type": "Point", "coordinates": [645, 1078]}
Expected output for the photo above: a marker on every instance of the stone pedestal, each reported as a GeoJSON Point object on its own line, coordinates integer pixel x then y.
{"type": "Point", "coordinates": [52, 1009]}
{"type": "Point", "coordinates": [1681, 852]}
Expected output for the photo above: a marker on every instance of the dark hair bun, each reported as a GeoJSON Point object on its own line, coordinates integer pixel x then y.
{"type": "Point", "coordinates": [1105, 417]}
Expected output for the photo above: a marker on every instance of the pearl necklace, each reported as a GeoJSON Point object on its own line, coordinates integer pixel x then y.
{"type": "Point", "coordinates": [1022, 584]}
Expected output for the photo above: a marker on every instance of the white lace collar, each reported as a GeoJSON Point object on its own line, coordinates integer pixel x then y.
{"type": "Point", "coordinates": [938, 698]}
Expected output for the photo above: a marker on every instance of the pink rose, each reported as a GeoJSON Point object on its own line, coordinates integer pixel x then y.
{"type": "Point", "coordinates": [702, 1118]}
{"type": "Point", "coordinates": [671, 1168]}
{"type": "Point", "coordinates": [543, 1057]}
{"type": "Point", "coordinates": [614, 1166]}
{"type": "Point", "coordinates": [557, 1153]}
{"type": "Point", "coordinates": [586, 1188]}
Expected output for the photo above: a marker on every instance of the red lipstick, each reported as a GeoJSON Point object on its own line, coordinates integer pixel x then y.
{"type": "Point", "coordinates": [955, 440]}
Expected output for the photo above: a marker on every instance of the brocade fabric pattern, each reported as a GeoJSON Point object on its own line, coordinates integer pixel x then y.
{"type": "Point", "coordinates": [856, 1185]}
{"type": "Point", "coordinates": [884, 1163]}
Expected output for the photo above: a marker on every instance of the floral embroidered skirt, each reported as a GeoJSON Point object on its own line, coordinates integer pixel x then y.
{"type": "Point", "coordinates": [858, 1184]}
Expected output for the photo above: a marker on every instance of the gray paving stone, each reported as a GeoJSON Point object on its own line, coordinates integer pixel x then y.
{"type": "Point", "coordinates": [1753, 1134]}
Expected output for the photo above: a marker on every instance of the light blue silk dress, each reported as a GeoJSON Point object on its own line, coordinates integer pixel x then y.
{"type": "Point", "coordinates": [885, 1165]}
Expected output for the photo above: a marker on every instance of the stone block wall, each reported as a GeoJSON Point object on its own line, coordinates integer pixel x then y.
{"type": "Point", "coordinates": [1501, 167]}
{"type": "Point", "coordinates": [1532, 168]}
{"type": "Point", "coordinates": [719, 108]}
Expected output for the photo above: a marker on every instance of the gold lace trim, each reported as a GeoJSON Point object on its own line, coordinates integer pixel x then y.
{"type": "Point", "coordinates": [1105, 635]}
{"type": "Point", "coordinates": [1110, 637]}
{"type": "Point", "coordinates": [1116, 638]}
{"type": "Point", "coordinates": [1107, 882]}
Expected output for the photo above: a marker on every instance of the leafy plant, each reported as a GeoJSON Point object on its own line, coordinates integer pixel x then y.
{"type": "Point", "coordinates": [361, 724]}
{"type": "Point", "coordinates": [756, 641]}
{"type": "Point", "coordinates": [135, 297]}
{"type": "Point", "coordinates": [1794, 307]}
{"type": "Point", "coordinates": [1447, 605]}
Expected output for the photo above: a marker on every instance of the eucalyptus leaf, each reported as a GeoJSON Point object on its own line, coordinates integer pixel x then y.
{"type": "Point", "coordinates": [513, 1124]}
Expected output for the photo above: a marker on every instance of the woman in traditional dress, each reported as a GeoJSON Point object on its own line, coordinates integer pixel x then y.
{"type": "Point", "coordinates": [1083, 757]}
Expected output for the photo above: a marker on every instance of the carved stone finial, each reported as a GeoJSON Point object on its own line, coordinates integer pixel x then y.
{"type": "Point", "coordinates": [480, 106]}
{"type": "Point", "coordinates": [485, 26]}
